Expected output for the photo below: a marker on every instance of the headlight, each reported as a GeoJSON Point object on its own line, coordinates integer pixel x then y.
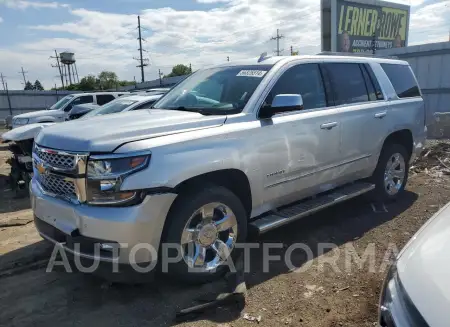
{"type": "Point", "coordinates": [21, 121]}
{"type": "Point", "coordinates": [105, 177]}
{"type": "Point", "coordinates": [396, 307]}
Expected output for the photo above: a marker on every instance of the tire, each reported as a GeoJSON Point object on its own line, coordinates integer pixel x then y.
{"type": "Point", "coordinates": [181, 217]}
{"type": "Point", "coordinates": [382, 191]}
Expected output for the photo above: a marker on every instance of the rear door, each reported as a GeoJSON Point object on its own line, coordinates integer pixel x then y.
{"type": "Point", "coordinates": [363, 108]}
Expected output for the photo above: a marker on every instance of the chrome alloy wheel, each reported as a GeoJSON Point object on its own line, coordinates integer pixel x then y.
{"type": "Point", "coordinates": [209, 237]}
{"type": "Point", "coordinates": [394, 174]}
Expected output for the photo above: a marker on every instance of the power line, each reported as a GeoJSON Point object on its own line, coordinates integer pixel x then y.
{"type": "Point", "coordinates": [277, 38]}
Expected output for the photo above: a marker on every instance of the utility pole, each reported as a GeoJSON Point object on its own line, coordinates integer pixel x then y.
{"type": "Point", "coordinates": [140, 59]}
{"type": "Point", "coordinates": [190, 68]}
{"type": "Point", "coordinates": [374, 36]}
{"type": "Point", "coordinates": [5, 87]}
{"type": "Point", "coordinates": [160, 74]}
{"type": "Point", "coordinates": [59, 68]}
{"type": "Point", "coordinates": [3, 81]}
{"type": "Point", "coordinates": [278, 37]}
{"type": "Point", "coordinates": [24, 78]}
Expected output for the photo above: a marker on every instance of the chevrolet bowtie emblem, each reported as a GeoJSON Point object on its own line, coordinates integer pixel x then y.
{"type": "Point", "coordinates": [41, 169]}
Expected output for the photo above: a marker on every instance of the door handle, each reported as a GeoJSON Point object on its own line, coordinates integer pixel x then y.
{"type": "Point", "coordinates": [380, 114]}
{"type": "Point", "coordinates": [328, 125]}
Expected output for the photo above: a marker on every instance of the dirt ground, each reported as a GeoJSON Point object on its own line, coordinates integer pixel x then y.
{"type": "Point", "coordinates": [319, 296]}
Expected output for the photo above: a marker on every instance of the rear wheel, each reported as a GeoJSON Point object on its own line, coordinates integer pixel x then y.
{"type": "Point", "coordinates": [205, 225]}
{"type": "Point", "coordinates": [391, 173]}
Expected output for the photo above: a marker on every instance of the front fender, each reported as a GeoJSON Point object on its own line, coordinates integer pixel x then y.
{"type": "Point", "coordinates": [169, 169]}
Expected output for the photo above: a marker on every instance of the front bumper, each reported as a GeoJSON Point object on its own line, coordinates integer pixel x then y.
{"type": "Point", "coordinates": [139, 225]}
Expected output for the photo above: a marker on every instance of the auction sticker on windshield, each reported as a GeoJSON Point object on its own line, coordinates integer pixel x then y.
{"type": "Point", "coordinates": [252, 73]}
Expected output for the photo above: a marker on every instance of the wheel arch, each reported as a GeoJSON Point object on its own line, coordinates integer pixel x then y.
{"type": "Point", "coordinates": [403, 137]}
{"type": "Point", "coordinates": [233, 179]}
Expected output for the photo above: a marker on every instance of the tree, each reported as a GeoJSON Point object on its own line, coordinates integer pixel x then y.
{"type": "Point", "coordinates": [107, 80]}
{"type": "Point", "coordinates": [87, 83]}
{"type": "Point", "coordinates": [28, 86]}
{"type": "Point", "coordinates": [179, 70]}
{"type": "Point", "coordinates": [38, 86]}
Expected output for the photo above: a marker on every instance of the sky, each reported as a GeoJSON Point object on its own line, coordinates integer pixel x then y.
{"type": "Point", "coordinates": [103, 33]}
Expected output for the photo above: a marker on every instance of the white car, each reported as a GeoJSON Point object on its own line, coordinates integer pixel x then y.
{"type": "Point", "coordinates": [416, 291]}
{"type": "Point", "coordinates": [60, 110]}
{"type": "Point", "coordinates": [129, 103]}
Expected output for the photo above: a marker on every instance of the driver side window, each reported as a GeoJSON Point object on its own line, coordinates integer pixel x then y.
{"type": "Point", "coordinates": [304, 79]}
{"type": "Point", "coordinates": [79, 100]}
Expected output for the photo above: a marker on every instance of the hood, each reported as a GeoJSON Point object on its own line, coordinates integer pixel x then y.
{"type": "Point", "coordinates": [82, 109]}
{"type": "Point", "coordinates": [105, 133]}
{"type": "Point", "coordinates": [26, 132]}
{"type": "Point", "coordinates": [423, 267]}
{"type": "Point", "coordinates": [40, 113]}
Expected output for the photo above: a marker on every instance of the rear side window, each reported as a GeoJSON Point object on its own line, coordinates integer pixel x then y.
{"type": "Point", "coordinates": [104, 98]}
{"type": "Point", "coordinates": [348, 83]}
{"type": "Point", "coordinates": [402, 80]}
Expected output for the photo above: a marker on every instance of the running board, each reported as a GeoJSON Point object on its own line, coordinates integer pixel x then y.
{"type": "Point", "coordinates": [307, 207]}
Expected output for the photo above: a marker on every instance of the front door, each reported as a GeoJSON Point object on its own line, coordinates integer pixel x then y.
{"type": "Point", "coordinates": [303, 146]}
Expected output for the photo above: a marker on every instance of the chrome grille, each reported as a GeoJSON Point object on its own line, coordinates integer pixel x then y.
{"type": "Point", "coordinates": [58, 160]}
{"type": "Point", "coordinates": [57, 185]}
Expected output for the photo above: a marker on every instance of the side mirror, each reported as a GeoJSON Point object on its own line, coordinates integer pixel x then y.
{"type": "Point", "coordinates": [282, 103]}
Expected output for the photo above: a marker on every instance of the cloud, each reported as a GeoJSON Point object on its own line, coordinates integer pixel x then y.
{"type": "Point", "coordinates": [1, 20]}
{"type": "Point", "coordinates": [23, 4]}
{"type": "Point", "coordinates": [212, 1]}
{"type": "Point", "coordinates": [107, 41]}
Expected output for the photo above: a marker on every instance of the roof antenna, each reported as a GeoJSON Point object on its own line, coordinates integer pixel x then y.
{"type": "Point", "coordinates": [262, 56]}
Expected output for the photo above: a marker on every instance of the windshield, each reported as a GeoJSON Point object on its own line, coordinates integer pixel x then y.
{"type": "Point", "coordinates": [215, 91]}
{"type": "Point", "coordinates": [61, 102]}
{"type": "Point", "coordinates": [118, 105]}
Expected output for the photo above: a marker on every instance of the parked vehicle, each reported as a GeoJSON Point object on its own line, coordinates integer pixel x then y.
{"type": "Point", "coordinates": [129, 103]}
{"type": "Point", "coordinates": [59, 112]}
{"type": "Point", "coordinates": [21, 144]}
{"type": "Point", "coordinates": [416, 290]}
{"type": "Point", "coordinates": [80, 110]}
{"type": "Point", "coordinates": [244, 145]}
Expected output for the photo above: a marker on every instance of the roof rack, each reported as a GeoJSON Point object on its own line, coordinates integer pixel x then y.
{"type": "Point", "coordinates": [354, 54]}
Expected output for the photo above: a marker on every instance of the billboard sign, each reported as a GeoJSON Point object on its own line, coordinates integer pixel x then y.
{"type": "Point", "coordinates": [364, 25]}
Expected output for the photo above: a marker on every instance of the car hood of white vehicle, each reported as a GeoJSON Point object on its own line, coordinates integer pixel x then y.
{"type": "Point", "coordinates": [424, 269]}
{"type": "Point", "coordinates": [106, 133]}
{"type": "Point", "coordinates": [26, 132]}
{"type": "Point", "coordinates": [40, 113]}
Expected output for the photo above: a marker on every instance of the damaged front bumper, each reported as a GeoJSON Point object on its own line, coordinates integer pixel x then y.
{"type": "Point", "coordinates": [117, 231]}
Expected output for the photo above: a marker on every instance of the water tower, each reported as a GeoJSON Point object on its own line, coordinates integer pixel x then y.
{"type": "Point", "coordinates": [69, 67]}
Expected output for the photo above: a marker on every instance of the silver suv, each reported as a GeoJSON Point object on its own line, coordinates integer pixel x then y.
{"type": "Point", "coordinates": [245, 145]}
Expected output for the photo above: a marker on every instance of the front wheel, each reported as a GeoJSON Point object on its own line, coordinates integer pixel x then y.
{"type": "Point", "coordinates": [391, 174]}
{"type": "Point", "coordinates": [205, 225]}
